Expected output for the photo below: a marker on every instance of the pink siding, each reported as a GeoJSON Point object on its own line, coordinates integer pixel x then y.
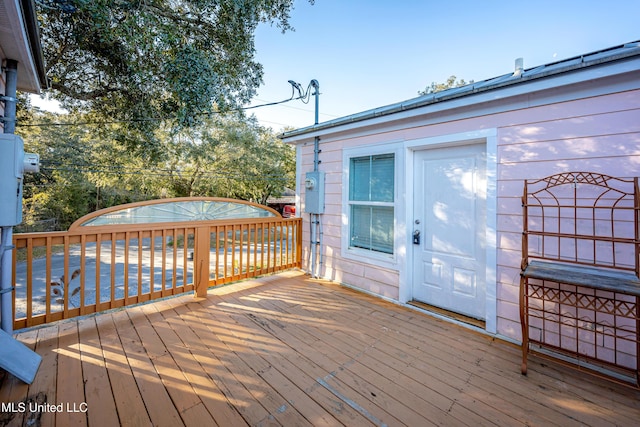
{"type": "Point", "coordinates": [600, 134]}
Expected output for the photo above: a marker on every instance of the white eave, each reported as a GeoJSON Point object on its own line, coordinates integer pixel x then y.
{"type": "Point", "coordinates": [20, 41]}
{"type": "Point", "coordinates": [609, 62]}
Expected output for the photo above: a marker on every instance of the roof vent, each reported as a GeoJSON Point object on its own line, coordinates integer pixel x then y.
{"type": "Point", "coordinates": [519, 67]}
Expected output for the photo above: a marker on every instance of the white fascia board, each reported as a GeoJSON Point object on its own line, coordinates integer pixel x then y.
{"type": "Point", "coordinates": [15, 45]}
{"type": "Point", "coordinates": [385, 116]}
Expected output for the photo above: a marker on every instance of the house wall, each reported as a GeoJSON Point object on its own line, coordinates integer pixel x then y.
{"type": "Point", "coordinates": [537, 135]}
{"type": "Point", "coordinates": [600, 134]}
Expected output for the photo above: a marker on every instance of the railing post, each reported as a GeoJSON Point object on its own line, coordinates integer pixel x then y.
{"type": "Point", "coordinates": [201, 254]}
{"type": "Point", "coordinates": [299, 243]}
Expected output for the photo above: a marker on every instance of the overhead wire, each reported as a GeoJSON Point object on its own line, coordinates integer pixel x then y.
{"type": "Point", "coordinates": [302, 97]}
{"type": "Point", "coordinates": [159, 172]}
{"type": "Point", "coordinates": [300, 109]}
{"type": "Point", "coordinates": [122, 170]}
{"type": "Point", "coordinates": [165, 173]}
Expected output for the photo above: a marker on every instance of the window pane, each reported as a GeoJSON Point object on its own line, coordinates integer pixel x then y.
{"type": "Point", "coordinates": [372, 228]}
{"type": "Point", "coordinates": [382, 173]}
{"type": "Point", "coordinates": [371, 178]}
{"type": "Point", "coordinates": [361, 227]}
{"type": "Point", "coordinates": [359, 178]}
{"type": "Point", "coordinates": [382, 229]}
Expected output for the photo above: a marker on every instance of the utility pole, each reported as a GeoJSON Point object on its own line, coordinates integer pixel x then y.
{"type": "Point", "coordinates": [314, 187]}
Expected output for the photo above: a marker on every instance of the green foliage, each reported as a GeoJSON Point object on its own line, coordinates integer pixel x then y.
{"type": "Point", "coordinates": [151, 73]}
{"type": "Point", "coordinates": [59, 191]}
{"type": "Point", "coordinates": [144, 60]}
{"type": "Point", "coordinates": [259, 164]}
{"type": "Point", "coordinates": [450, 83]}
{"type": "Point", "coordinates": [87, 167]}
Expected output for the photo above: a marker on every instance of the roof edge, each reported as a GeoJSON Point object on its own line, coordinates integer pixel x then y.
{"type": "Point", "coordinates": [33, 34]}
{"type": "Point", "coordinates": [606, 56]}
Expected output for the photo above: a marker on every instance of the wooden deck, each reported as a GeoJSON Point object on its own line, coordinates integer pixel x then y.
{"type": "Point", "coordinates": [288, 350]}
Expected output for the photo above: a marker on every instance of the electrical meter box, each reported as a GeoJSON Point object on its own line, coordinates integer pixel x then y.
{"type": "Point", "coordinates": [314, 192]}
{"type": "Point", "coordinates": [14, 162]}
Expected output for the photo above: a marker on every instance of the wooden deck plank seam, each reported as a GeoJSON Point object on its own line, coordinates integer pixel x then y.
{"type": "Point", "coordinates": [543, 408]}
{"type": "Point", "coordinates": [375, 341]}
{"type": "Point", "coordinates": [406, 329]}
{"type": "Point", "coordinates": [290, 350]}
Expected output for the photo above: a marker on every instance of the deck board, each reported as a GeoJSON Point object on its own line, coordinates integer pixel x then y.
{"type": "Point", "coordinates": [298, 370]}
{"type": "Point", "coordinates": [98, 393]}
{"type": "Point", "coordinates": [129, 404]}
{"type": "Point", "coordinates": [288, 350]}
{"type": "Point", "coordinates": [450, 356]}
{"type": "Point", "coordinates": [69, 387]}
{"type": "Point", "coordinates": [46, 379]}
{"type": "Point", "coordinates": [136, 337]}
{"type": "Point", "coordinates": [439, 394]}
{"type": "Point", "coordinates": [371, 384]}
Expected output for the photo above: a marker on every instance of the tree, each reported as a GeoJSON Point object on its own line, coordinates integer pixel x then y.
{"type": "Point", "coordinates": [255, 163]}
{"type": "Point", "coordinates": [437, 87]}
{"type": "Point", "coordinates": [60, 192]}
{"type": "Point", "coordinates": [85, 167]}
{"type": "Point", "coordinates": [139, 61]}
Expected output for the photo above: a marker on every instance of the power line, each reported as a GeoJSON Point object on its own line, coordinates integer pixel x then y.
{"type": "Point", "coordinates": [301, 109]}
{"type": "Point", "coordinates": [168, 173]}
{"type": "Point", "coordinates": [160, 119]}
{"type": "Point", "coordinates": [54, 165]}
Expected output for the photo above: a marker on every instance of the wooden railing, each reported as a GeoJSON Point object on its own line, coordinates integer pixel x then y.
{"type": "Point", "coordinates": [59, 275]}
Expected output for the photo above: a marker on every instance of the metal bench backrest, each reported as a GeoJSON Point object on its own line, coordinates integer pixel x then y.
{"type": "Point", "coordinates": [582, 218]}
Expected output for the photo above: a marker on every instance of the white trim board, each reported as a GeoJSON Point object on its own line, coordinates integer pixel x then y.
{"type": "Point", "coordinates": [489, 138]}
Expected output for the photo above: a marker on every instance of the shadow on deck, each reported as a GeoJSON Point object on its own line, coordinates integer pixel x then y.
{"type": "Point", "coordinates": [289, 350]}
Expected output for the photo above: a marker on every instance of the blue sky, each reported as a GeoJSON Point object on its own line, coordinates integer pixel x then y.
{"type": "Point", "coordinates": [366, 54]}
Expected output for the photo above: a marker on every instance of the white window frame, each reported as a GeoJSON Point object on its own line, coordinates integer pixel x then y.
{"type": "Point", "coordinates": [360, 254]}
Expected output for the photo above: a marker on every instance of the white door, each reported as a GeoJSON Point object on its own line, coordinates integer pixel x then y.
{"type": "Point", "coordinates": [450, 216]}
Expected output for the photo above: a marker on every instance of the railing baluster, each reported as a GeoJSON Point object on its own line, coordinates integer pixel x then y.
{"type": "Point", "coordinates": [152, 267]}
{"type": "Point", "coordinates": [48, 280]}
{"type": "Point", "coordinates": [233, 251]}
{"type": "Point", "coordinates": [174, 282]}
{"type": "Point", "coordinates": [114, 242]}
{"type": "Point", "coordinates": [98, 257]}
{"type": "Point", "coordinates": [163, 275]}
{"type": "Point", "coordinates": [255, 249]}
{"type": "Point", "coordinates": [276, 239]}
{"type": "Point", "coordinates": [240, 250]}
{"type": "Point", "coordinates": [29, 287]}
{"type": "Point", "coordinates": [216, 243]}
{"type": "Point", "coordinates": [281, 227]}
{"type": "Point", "coordinates": [262, 227]}
{"type": "Point", "coordinates": [225, 241]}
{"type": "Point", "coordinates": [125, 278]}
{"type": "Point", "coordinates": [67, 278]}
{"type": "Point", "coordinates": [286, 242]}
{"type": "Point", "coordinates": [269, 270]}
{"type": "Point", "coordinates": [185, 257]}
{"type": "Point", "coordinates": [83, 277]}
{"type": "Point", "coordinates": [139, 265]}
